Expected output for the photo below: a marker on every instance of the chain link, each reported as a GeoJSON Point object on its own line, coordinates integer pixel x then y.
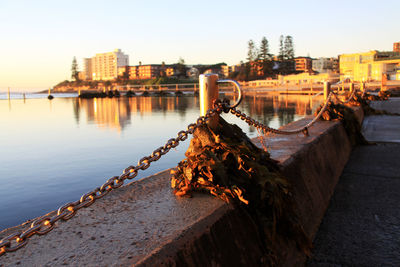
{"type": "Point", "coordinates": [265, 129]}
{"type": "Point", "coordinates": [348, 99]}
{"type": "Point", "coordinates": [45, 224]}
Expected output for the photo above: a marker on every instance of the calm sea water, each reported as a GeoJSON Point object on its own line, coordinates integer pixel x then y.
{"type": "Point", "coordinates": [54, 151]}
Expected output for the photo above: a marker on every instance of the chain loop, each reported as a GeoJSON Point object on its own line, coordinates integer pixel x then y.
{"type": "Point", "coordinates": [348, 99]}
{"type": "Point", "coordinates": [14, 238]}
{"type": "Point", "coordinates": [43, 222]}
{"type": "Point", "coordinates": [267, 129]}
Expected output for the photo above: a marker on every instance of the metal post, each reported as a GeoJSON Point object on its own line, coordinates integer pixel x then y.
{"type": "Point", "coordinates": [176, 87]}
{"type": "Point", "coordinates": [9, 94]}
{"type": "Point", "coordinates": [351, 87]}
{"type": "Point", "coordinates": [327, 90]}
{"type": "Point", "coordinates": [362, 87]}
{"type": "Point", "coordinates": [208, 93]}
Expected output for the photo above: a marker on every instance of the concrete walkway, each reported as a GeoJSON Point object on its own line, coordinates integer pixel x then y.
{"type": "Point", "coordinates": [362, 224]}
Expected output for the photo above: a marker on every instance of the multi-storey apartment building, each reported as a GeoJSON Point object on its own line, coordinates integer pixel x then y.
{"type": "Point", "coordinates": [104, 66]}
{"type": "Point", "coordinates": [150, 71]}
{"type": "Point", "coordinates": [323, 65]}
{"type": "Point", "coordinates": [369, 66]}
{"type": "Point", "coordinates": [228, 70]}
{"type": "Point", "coordinates": [303, 64]}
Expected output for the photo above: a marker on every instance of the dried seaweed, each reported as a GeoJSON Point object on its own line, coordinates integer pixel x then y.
{"type": "Point", "coordinates": [225, 163]}
{"type": "Point", "coordinates": [382, 95]}
{"type": "Point", "coordinates": [347, 117]}
{"type": "Point", "coordinates": [363, 101]}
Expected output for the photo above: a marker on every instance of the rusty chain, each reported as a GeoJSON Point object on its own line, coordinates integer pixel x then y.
{"type": "Point", "coordinates": [252, 122]}
{"type": "Point", "coordinates": [348, 99]}
{"type": "Point", "coordinates": [45, 224]}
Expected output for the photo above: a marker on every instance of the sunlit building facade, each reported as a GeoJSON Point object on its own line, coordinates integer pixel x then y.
{"type": "Point", "coordinates": [148, 71]}
{"type": "Point", "coordinates": [296, 79]}
{"type": "Point", "coordinates": [303, 64]}
{"type": "Point", "coordinates": [228, 70]}
{"type": "Point", "coordinates": [369, 66]}
{"type": "Point", "coordinates": [142, 72]}
{"type": "Point", "coordinates": [105, 65]}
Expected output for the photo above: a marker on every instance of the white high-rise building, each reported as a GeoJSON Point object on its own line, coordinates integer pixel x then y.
{"type": "Point", "coordinates": [104, 66]}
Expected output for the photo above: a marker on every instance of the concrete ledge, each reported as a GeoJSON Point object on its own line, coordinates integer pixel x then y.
{"type": "Point", "coordinates": [144, 224]}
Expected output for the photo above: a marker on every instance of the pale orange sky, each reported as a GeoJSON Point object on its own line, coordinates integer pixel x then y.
{"type": "Point", "coordinates": [40, 38]}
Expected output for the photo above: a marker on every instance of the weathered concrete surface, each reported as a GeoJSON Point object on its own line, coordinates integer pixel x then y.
{"type": "Point", "coordinates": [362, 224]}
{"type": "Point", "coordinates": [393, 105]}
{"type": "Point", "coordinates": [383, 128]}
{"type": "Point", "coordinates": [144, 224]}
{"type": "Point", "coordinates": [313, 165]}
{"type": "Point", "coordinates": [123, 227]}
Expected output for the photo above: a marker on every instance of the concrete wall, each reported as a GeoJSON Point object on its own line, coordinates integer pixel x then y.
{"type": "Point", "coordinates": [144, 224]}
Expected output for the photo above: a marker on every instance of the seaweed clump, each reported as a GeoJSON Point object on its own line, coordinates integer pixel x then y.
{"type": "Point", "coordinates": [363, 101]}
{"type": "Point", "coordinates": [340, 112]}
{"type": "Point", "coordinates": [225, 163]}
{"type": "Point", "coordinates": [382, 95]}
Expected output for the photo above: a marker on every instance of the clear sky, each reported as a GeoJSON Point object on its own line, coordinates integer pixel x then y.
{"type": "Point", "coordinates": [38, 39]}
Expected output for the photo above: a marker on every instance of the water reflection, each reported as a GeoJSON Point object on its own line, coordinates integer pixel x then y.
{"type": "Point", "coordinates": [116, 113]}
{"type": "Point", "coordinates": [277, 110]}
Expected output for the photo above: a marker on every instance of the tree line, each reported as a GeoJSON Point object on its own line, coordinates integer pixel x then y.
{"type": "Point", "coordinates": [261, 63]}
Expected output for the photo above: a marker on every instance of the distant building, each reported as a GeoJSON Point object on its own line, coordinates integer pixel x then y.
{"type": "Point", "coordinates": [303, 64]}
{"type": "Point", "coordinates": [396, 47]}
{"type": "Point", "coordinates": [307, 78]}
{"type": "Point", "coordinates": [142, 72]}
{"type": "Point", "coordinates": [146, 71]}
{"type": "Point", "coordinates": [87, 72]}
{"type": "Point", "coordinates": [122, 71]}
{"type": "Point", "coordinates": [226, 70]}
{"type": "Point", "coordinates": [304, 78]}
{"type": "Point", "coordinates": [323, 65]}
{"type": "Point", "coordinates": [369, 66]}
{"type": "Point", "coordinates": [105, 65]}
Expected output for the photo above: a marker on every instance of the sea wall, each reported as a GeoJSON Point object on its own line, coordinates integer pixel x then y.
{"type": "Point", "coordinates": [144, 224]}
